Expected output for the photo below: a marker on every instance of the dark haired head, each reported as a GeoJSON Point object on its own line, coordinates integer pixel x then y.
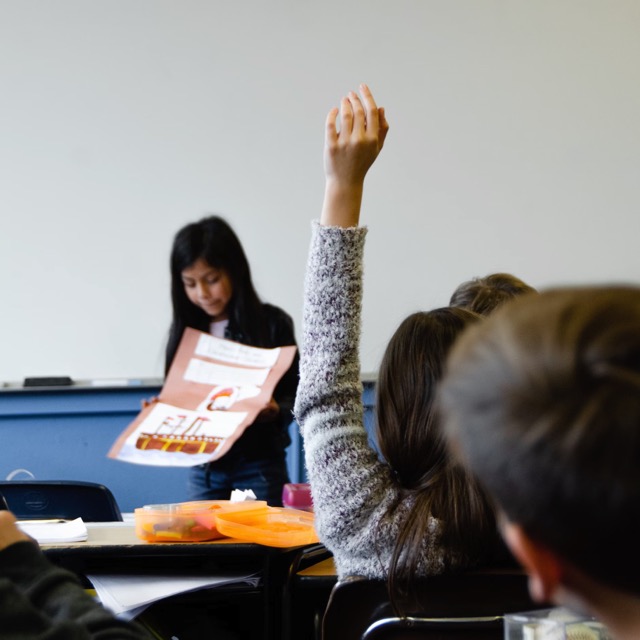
{"type": "Point", "coordinates": [411, 441]}
{"type": "Point", "coordinates": [542, 402]}
{"type": "Point", "coordinates": [213, 240]}
{"type": "Point", "coordinates": [484, 295]}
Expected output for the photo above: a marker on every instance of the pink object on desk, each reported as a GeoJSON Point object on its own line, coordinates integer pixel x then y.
{"type": "Point", "coordinates": [297, 496]}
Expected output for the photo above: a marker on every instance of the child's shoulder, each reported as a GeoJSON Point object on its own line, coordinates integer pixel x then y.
{"type": "Point", "coordinates": [275, 314]}
{"type": "Point", "coordinates": [279, 325]}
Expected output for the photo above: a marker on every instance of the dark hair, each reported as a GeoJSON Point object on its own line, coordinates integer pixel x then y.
{"type": "Point", "coordinates": [213, 240]}
{"type": "Point", "coordinates": [542, 401]}
{"type": "Point", "coordinates": [484, 295]}
{"type": "Point", "coordinates": [411, 441]}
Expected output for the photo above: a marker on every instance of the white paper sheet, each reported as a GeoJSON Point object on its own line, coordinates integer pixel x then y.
{"type": "Point", "coordinates": [129, 595]}
{"type": "Point", "coordinates": [52, 531]}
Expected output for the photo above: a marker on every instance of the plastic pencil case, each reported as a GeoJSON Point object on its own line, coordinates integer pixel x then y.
{"type": "Point", "coordinates": [186, 521]}
{"type": "Point", "coordinates": [273, 527]}
{"type": "Point", "coordinates": [297, 496]}
{"type": "Point", "coordinates": [551, 624]}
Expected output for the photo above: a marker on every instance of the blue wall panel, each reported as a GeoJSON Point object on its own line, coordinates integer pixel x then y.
{"type": "Point", "coordinates": [65, 434]}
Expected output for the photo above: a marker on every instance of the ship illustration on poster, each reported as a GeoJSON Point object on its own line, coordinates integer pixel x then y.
{"type": "Point", "coordinates": [214, 390]}
{"type": "Point", "coordinates": [180, 433]}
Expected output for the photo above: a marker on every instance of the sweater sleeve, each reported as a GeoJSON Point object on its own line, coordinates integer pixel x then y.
{"type": "Point", "coordinates": [39, 601]}
{"type": "Point", "coordinates": [352, 490]}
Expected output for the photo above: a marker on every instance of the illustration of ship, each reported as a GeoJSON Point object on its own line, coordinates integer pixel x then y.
{"type": "Point", "coordinates": [174, 435]}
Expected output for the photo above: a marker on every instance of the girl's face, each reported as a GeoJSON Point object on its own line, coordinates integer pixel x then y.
{"type": "Point", "coordinates": [208, 288]}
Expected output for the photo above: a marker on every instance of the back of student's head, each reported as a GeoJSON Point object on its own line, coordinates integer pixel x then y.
{"type": "Point", "coordinates": [411, 441]}
{"type": "Point", "coordinates": [408, 433]}
{"type": "Point", "coordinates": [542, 401]}
{"type": "Point", "coordinates": [485, 295]}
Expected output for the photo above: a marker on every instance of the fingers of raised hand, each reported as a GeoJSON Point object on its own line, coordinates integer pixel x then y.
{"type": "Point", "coordinates": [331, 131]}
{"type": "Point", "coordinates": [357, 115]}
{"type": "Point", "coordinates": [383, 126]}
{"type": "Point", "coordinates": [372, 112]}
{"type": "Point", "coordinates": [346, 118]}
{"type": "Point", "coordinates": [359, 123]}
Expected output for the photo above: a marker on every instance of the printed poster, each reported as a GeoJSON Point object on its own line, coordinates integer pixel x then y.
{"type": "Point", "coordinates": [214, 390]}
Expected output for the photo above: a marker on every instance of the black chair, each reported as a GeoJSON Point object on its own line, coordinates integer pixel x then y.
{"type": "Point", "coordinates": [472, 628]}
{"type": "Point", "coordinates": [466, 605]}
{"type": "Point", "coordinates": [304, 598]}
{"type": "Point", "coordinates": [65, 499]}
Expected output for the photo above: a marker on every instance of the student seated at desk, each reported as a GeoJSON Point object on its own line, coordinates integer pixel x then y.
{"type": "Point", "coordinates": [415, 514]}
{"type": "Point", "coordinates": [484, 295]}
{"type": "Point", "coordinates": [542, 403]}
{"type": "Point", "coordinates": [40, 600]}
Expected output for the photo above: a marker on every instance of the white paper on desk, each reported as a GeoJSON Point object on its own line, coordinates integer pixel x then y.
{"type": "Point", "coordinates": [129, 595]}
{"type": "Point", "coordinates": [50, 532]}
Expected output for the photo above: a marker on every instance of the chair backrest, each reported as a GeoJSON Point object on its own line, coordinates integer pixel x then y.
{"type": "Point", "coordinates": [305, 595]}
{"type": "Point", "coordinates": [67, 499]}
{"type": "Point", "coordinates": [474, 628]}
{"type": "Point", "coordinates": [450, 606]}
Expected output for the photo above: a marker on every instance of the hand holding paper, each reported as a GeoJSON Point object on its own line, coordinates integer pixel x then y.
{"type": "Point", "coordinates": [215, 389]}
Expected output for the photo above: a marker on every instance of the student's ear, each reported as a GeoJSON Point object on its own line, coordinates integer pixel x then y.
{"type": "Point", "coordinates": [543, 566]}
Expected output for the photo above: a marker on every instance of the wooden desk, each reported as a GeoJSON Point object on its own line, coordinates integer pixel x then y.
{"type": "Point", "coordinates": [107, 537]}
{"type": "Point", "coordinates": [324, 569]}
{"type": "Point", "coordinates": [115, 547]}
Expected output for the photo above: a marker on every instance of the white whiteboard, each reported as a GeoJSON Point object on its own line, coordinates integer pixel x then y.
{"type": "Point", "coordinates": [514, 145]}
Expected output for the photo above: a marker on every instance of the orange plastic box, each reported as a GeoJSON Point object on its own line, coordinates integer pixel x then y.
{"type": "Point", "coordinates": [273, 527]}
{"type": "Point", "coordinates": [187, 521]}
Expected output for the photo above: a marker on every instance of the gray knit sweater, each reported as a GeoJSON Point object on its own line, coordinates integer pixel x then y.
{"type": "Point", "coordinates": [351, 488]}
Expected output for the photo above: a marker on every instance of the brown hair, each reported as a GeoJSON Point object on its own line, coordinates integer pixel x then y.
{"type": "Point", "coordinates": [542, 401]}
{"type": "Point", "coordinates": [411, 441]}
{"type": "Point", "coordinates": [484, 295]}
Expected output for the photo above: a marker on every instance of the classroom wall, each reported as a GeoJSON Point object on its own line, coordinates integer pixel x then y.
{"type": "Point", "coordinates": [514, 145]}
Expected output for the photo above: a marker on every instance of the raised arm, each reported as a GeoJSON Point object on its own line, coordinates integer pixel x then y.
{"type": "Point", "coordinates": [352, 489]}
{"type": "Point", "coordinates": [348, 154]}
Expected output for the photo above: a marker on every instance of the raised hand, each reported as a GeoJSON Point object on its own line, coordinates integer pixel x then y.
{"type": "Point", "coordinates": [349, 153]}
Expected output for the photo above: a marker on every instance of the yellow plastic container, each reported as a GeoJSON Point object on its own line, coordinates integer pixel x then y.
{"type": "Point", "coordinates": [273, 526]}
{"type": "Point", "coordinates": [187, 521]}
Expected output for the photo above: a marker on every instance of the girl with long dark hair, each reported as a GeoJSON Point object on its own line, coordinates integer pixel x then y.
{"type": "Point", "coordinates": [212, 291]}
{"type": "Point", "coordinates": [415, 512]}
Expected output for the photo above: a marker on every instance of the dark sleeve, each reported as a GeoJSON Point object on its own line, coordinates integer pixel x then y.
{"type": "Point", "coordinates": [283, 334]}
{"type": "Point", "coordinates": [39, 601]}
